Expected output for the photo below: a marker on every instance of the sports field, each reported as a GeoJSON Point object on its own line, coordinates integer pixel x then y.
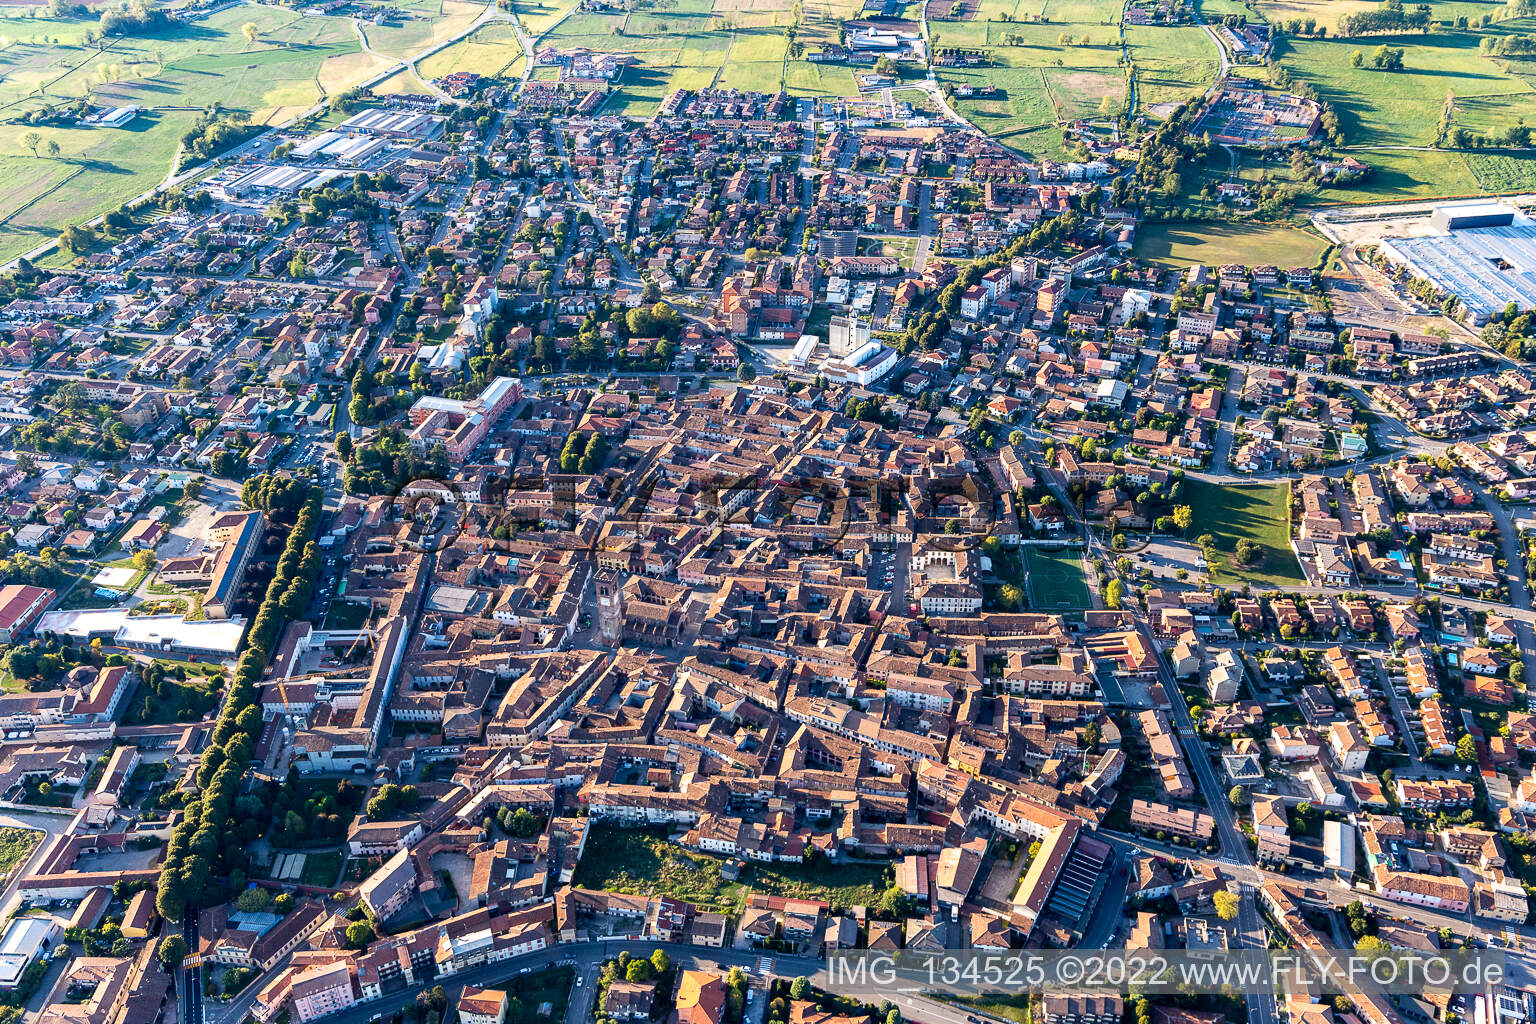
{"type": "Point", "coordinates": [1180, 244]}
{"type": "Point", "coordinates": [1256, 512]}
{"type": "Point", "coordinates": [1056, 579]}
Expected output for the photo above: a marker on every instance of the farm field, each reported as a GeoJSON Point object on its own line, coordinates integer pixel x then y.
{"type": "Point", "coordinates": [491, 50]}
{"type": "Point", "coordinates": [1388, 118]}
{"type": "Point", "coordinates": [1183, 244]}
{"type": "Point", "coordinates": [1172, 64]}
{"type": "Point", "coordinates": [698, 44]}
{"type": "Point", "coordinates": [539, 16]}
{"type": "Point", "coordinates": [290, 62]}
{"type": "Point", "coordinates": [1056, 579]}
{"type": "Point", "coordinates": [1256, 512]}
{"type": "Point", "coordinates": [425, 24]}
{"type": "Point", "coordinates": [1067, 67]}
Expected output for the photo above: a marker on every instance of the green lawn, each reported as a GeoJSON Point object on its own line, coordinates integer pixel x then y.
{"type": "Point", "coordinates": [1056, 579]}
{"type": "Point", "coordinates": [645, 862]}
{"type": "Point", "coordinates": [1183, 244]}
{"type": "Point", "coordinates": [321, 868]}
{"type": "Point", "coordinates": [543, 994]}
{"type": "Point", "coordinates": [1257, 512]}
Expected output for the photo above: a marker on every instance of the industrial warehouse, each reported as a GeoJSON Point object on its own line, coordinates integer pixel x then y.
{"type": "Point", "coordinates": [1483, 253]}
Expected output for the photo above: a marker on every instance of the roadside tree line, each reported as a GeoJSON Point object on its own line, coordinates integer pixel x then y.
{"type": "Point", "coordinates": [201, 865]}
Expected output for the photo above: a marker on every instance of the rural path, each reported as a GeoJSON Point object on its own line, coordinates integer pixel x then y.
{"type": "Point", "coordinates": [1221, 51]}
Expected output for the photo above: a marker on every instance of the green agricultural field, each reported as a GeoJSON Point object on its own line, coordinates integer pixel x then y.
{"type": "Point", "coordinates": [492, 51]}
{"type": "Point", "coordinates": [1056, 579]}
{"type": "Point", "coordinates": [421, 26]}
{"type": "Point", "coordinates": [1067, 66]}
{"type": "Point", "coordinates": [1389, 117]}
{"type": "Point", "coordinates": [696, 44]}
{"type": "Point", "coordinates": [1184, 244]}
{"type": "Point", "coordinates": [1172, 64]}
{"type": "Point", "coordinates": [290, 62]}
{"type": "Point", "coordinates": [1256, 512]}
{"type": "Point", "coordinates": [1382, 108]}
{"type": "Point", "coordinates": [539, 16]}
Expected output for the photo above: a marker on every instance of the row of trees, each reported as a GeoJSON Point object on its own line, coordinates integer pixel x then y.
{"type": "Point", "coordinates": [199, 859]}
{"type": "Point", "coordinates": [1392, 16]}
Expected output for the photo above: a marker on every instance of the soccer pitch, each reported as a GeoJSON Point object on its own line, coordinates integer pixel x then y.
{"type": "Point", "coordinates": [1055, 578]}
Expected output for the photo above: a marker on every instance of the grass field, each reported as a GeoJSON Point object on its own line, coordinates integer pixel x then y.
{"type": "Point", "coordinates": [542, 994]}
{"type": "Point", "coordinates": [1065, 65]}
{"type": "Point", "coordinates": [1172, 64]}
{"type": "Point", "coordinates": [1380, 111]}
{"type": "Point", "coordinates": [1256, 512]}
{"type": "Point", "coordinates": [1184, 244]}
{"type": "Point", "coordinates": [16, 845]}
{"type": "Point", "coordinates": [294, 60]}
{"type": "Point", "coordinates": [421, 25]}
{"type": "Point", "coordinates": [491, 51]}
{"type": "Point", "coordinates": [643, 861]}
{"type": "Point", "coordinates": [1056, 579]}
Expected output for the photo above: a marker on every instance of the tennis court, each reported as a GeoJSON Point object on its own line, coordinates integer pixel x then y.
{"type": "Point", "coordinates": [1055, 577]}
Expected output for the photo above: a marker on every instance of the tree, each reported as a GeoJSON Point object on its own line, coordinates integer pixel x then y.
{"type": "Point", "coordinates": [172, 950]}
{"type": "Point", "coordinates": [800, 987]}
{"type": "Point", "coordinates": [1356, 59]}
{"type": "Point", "coordinates": [1092, 734]}
{"type": "Point", "coordinates": [1226, 904]}
{"type": "Point", "coordinates": [660, 961]}
{"type": "Point", "coordinates": [32, 140]}
{"type": "Point", "coordinates": [251, 32]}
{"type": "Point", "coordinates": [638, 971]}
{"type": "Point", "coordinates": [1237, 796]}
{"type": "Point", "coordinates": [1183, 516]}
{"type": "Point", "coordinates": [359, 934]}
{"type": "Point", "coordinates": [52, 148]}
{"type": "Point", "coordinates": [746, 373]}
{"type": "Point", "coordinates": [254, 900]}
{"type": "Point", "coordinates": [893, 903]}
{"type": "Point", "coordinates": [1466, 750]}
{"type": "Point", "coordinates": [1114, 594]}
{"type": "Point", "coordinates": [344, 445]}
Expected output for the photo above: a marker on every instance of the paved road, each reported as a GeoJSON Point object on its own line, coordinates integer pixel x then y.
{"type": "Point", "coordinates": [585, 959]}
{"type": "Point", "coordinates": [1252, 935]}
{"type": "Point", "coordinates": [1234, 847]}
